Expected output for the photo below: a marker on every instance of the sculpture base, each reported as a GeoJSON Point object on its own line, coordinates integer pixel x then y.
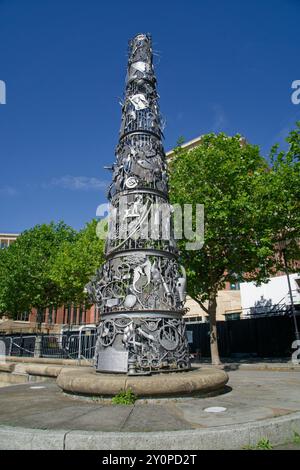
{"type": "Point", "coordinates": [142, 342]}
{"type": "Point", "coordinates": [86, 381]}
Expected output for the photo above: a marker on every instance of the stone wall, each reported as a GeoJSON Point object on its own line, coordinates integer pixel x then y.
{"type": "Point", "coordinates": [228, 301]}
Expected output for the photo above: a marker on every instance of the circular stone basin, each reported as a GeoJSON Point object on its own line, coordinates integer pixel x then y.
{"type": "Point", "coordinates": [86, 381]}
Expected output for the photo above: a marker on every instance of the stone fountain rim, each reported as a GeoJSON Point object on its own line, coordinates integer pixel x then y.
{"type": "Point", "coordinates": [87, 381]}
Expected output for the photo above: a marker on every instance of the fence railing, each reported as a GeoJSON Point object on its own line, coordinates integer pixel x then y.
{"type": "Point", "coordinates": [63, 346]}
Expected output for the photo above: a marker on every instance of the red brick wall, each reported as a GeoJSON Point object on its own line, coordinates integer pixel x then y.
{"type": "Point", "coordinates": [75, 316]}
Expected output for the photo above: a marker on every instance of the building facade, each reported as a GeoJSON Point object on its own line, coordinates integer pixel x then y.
{"type": "Point", "coordinates": [7, 239]}
{"type": "Point", "coordinates": [256, 300]}
{"type": "Point", "coordinates": [68, 315]}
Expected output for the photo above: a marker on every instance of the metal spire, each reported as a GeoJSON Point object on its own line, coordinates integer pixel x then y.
{"type": "Point", "coordinates": [140, 289]}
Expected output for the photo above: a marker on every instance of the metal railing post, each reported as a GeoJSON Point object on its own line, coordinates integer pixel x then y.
{"type": "Point", "coordinates": [79, 345]}
{"type": "Point", "coordinates": [10, 346]}
{"type": "Point", "coordinates": [291, 295]}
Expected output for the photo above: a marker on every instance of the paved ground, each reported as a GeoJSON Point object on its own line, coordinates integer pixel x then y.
{"type": "Point", "coordinates": [254, 396]}
{"type": "Point", "coordinates": [290, 446]}
{"type": "Point", "coordinates": [270, 364]}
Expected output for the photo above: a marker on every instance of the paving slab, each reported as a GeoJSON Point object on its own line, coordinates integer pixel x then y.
{"type": "Point", "coordinates": [257, 404]}
{"type": "Point", "coordinates": [290, 446]}
{"type": "Point", "coordinates": [155, 417]}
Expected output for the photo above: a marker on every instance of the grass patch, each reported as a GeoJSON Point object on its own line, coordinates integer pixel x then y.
{"type": "Point", "coordinates": [263, 444]}
{"type": "Point", "coordinates": [124, 397]}
{"type": "Point", "coordinates": [296, 437]}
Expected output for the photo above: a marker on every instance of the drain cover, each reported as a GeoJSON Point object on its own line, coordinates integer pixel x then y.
{"type": "Point", "coordinates": [215, 409]}
{"type": "Point", "coordinates": [37, 387]}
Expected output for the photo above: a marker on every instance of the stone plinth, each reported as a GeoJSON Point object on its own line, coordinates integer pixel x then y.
{"type": "Point", "coordinates": [87, 381]}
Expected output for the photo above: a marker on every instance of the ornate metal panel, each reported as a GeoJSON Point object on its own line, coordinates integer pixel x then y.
{"type": "Point", "coordinates": [141, 287]}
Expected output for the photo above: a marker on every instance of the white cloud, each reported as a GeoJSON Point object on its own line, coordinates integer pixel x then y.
{"type": "Point", "coordinates": [8, 191]}
{"type": "Point", "coordinates": [79, 183]}
{"type": "Point", "coordinates": [220, 119]}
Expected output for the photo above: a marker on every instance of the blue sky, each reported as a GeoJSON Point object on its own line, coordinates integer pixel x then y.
{"type": "Point", "coordinates": [221, 66]}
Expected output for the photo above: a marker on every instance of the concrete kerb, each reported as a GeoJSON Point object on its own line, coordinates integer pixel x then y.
{"type": "Point", "coordinates": [277, 430]}
{"type": "Point", "coordinates": [49, 360]}
{"type": "Point", "coordinates": [31, 439]}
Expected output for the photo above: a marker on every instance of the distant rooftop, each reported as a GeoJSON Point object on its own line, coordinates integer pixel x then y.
{"type": "Point", "coordinates": [187, 145]}
{"type": "Point", "coordinates": [9, 235]}
{"type": "Point", "coordinates": [197, 141]}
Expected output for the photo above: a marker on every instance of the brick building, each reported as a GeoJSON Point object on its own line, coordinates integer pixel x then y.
{"type": "Point", "coordinates": [69, 316]}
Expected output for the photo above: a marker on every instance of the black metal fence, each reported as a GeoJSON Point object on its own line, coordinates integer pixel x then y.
{"type": "Point", "coordinates": [68, 345]}
{"type": "Point", "coordinates": [72, 346]}
{"type": "Point", "coordinates": [271, 336]}
{"type": "Point", "coordinates": [258, 337]}
{"type": "Point", "coordinates": [20, 345]}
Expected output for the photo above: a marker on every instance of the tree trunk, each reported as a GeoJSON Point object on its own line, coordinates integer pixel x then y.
{"type": "Point", "coordinates": [212, 311]}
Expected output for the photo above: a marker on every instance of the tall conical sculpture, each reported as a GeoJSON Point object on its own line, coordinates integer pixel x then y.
{"type": "Point", "coordinates": [140, 289]}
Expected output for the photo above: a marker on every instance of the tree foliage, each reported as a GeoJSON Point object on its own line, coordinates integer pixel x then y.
{"type": "Point", "coordinates": [76, 262]}
{"type": "Point", "coordinates": [48, 265]}
{"type": "Point", "coordinates": [246, 201]}
{"type": "Point", "coordinates": [25, 266]}
{"type": "Point", "coordinates": [221, 175]}
{"type": "Point", "coordinates": [281, 198]}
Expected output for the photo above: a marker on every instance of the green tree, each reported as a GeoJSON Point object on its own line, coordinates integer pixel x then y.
{"type": "Point", "coordinates": [233, 181]}
{"type": "Point", "coordinates": [25, 266]}
{"type": "Point", "coordinates": [280, 194]}
{"type": "Point", "coordinates": [75, 262]}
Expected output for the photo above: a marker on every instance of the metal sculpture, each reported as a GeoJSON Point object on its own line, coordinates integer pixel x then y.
{"type": "Point", "coordinates": [140, 289]}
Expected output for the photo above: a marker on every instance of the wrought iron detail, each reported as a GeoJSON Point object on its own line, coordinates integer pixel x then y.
{"type": "Point", "coordinates": [153, 344]}
{"type": "Point", "coordinates": [141, 287]}
{"type": "Point", "coordinates": [139, 281]}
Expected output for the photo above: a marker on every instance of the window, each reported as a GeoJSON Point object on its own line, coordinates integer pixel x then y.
{"type": "Point", "coordinates": [81, 315]}
{"type": "Point", "coordinates": [23, 316]}
{"type": "Point", "coordinates": [234, 286]}
{"type": "Point", "coordinates": [75, 310]}
{"type": "Point", "coordinates": [41, 315]}
{"type": "Point", "coordinates": [195, 319]}
{"type": "Point", "coordinates": [52, 315]}
{"type": "Point", "coordinates": [233, 316]}
{"type": "Point", "coordinates": [67, 315]}
{"type": "Point", "coordinates": [3, 243]}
